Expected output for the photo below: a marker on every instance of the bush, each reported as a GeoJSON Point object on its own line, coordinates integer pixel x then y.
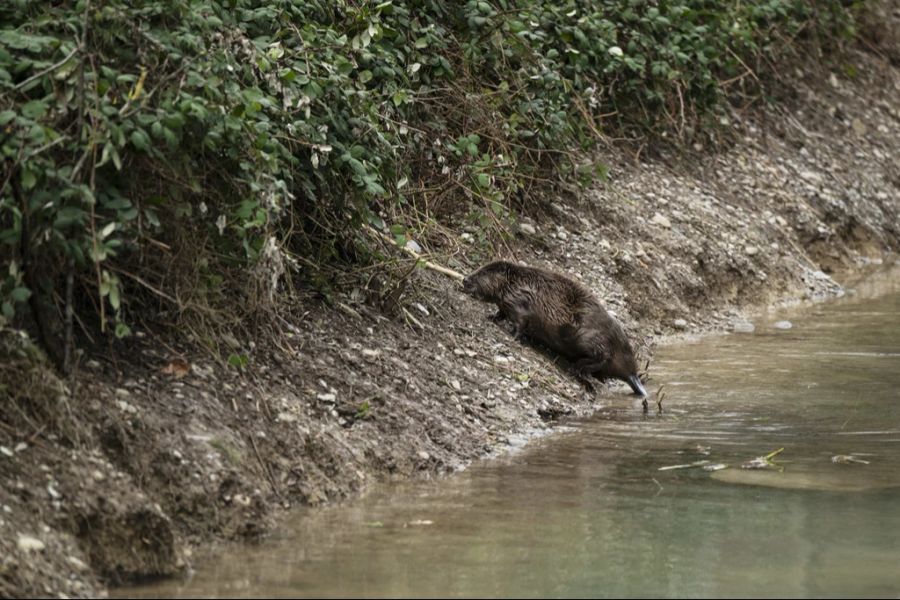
{"type": "Point", "coordinates": [171, 145]}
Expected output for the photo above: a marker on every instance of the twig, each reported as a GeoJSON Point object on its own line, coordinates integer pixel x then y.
{"type": "Point", "coordinates": [410, 316]}
{"type": "Point", "coordinates": [49, 69]}
{"type": "Point", "coordinates": [265, 468]}
{"type": "Point", "coordinates": [426, 263]}
{"type": "Point", "coordinates": [156, 291]}
{"type": "Point", "coordinates": [69, 341]}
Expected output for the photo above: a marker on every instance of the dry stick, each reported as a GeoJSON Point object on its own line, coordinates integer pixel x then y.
{"type": "Point", "coordinates": [265, 468]}
{"type": "Point", "coordinates": [410, 316]}
{"type": "Point", "coordinates": [69, 343]}
{"type": "Point", "coordinates": [428, 264]}
{"type": "Point", "coordinates": [589, 120]}
{"type": "Point", "coordinates": [49, 69]}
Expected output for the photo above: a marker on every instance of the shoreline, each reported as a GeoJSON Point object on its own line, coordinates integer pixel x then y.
{"type": "Point", "coordinates": [678, 245]}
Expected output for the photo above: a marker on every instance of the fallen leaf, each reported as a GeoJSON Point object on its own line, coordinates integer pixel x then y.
{"type": "Point", "coordinates": [177, 368]}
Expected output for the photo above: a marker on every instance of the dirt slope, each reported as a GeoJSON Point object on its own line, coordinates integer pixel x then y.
{"type": "Point", "coordinates": [679, 242]}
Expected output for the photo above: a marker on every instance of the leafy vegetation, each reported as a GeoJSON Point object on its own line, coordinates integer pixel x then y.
{"type": "Point", "coordinates": [167, 151]}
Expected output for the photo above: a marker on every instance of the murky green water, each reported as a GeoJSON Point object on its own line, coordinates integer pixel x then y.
{"type": "Point", "coordinates": [587, 512]}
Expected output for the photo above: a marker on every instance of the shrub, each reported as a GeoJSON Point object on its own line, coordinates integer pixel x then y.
{"type": "Point", "coordinates": [169, 146]}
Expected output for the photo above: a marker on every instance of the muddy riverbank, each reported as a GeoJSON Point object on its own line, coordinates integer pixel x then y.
{"type": "Point", "coordinates": [621, 506]}
{"type": "Point", "coordinates": [153, 458]}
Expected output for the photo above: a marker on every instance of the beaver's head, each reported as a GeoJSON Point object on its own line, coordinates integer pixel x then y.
{"type": "Point", "coordinates": [488, 282]}
{"type": "Point", "coordinates": [623, 362]}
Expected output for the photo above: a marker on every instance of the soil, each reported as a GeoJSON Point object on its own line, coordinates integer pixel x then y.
{"type": "Point", "coordinates": [680, 242]}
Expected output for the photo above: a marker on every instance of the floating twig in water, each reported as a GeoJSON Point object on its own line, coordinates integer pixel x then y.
{"type": "Point", "coordinates": [698, 463]}
{"type": "Point", "coordinates": [764, 462]}
{"type": "Point", "coordinates": [844, 459]}
{"type": "Point", "coordinates": [715, 467]}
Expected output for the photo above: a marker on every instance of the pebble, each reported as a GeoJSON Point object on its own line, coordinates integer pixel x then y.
{"type": "Point", "coordinates": [370, 354]}
{"type": "Point", "coordinates": [329, 398]}
{"type": "Point", "coordinates": [27, 543]}
{"type": "Point", "coordinates": [743, 327]}
{"type": "Point", "coordinates": [661, 220]}
{"type": "Point", "coordinates": [423, 455]}
{"type": "Point", "coordinates": [680, 324]}
{"type": "Point", "coordinates": [527, 228]}
{"type": "Point", "coordinates": [783, 325]}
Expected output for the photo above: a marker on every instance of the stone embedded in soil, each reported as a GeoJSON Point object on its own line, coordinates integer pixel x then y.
{"type": "Point", "coordinates": [527, 228]}
{"type": "Point", "coordinates": [742, 326]}
{"type": "Point", "coordinates": [680, 324]}
{"type": "Point", "coordinates": [661, 220]}
{"type": "Point", "coordinates": [327, 398]}
{"type": "Point", "coordinates": [783, 325]}
{"type": "Point", "coordinates": [751, 250]}
{"type": "Point", "coordinates": [28, 543]}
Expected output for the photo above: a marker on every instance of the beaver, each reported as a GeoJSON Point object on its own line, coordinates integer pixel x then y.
{"type": "Point", "coordinates": [563, 315]}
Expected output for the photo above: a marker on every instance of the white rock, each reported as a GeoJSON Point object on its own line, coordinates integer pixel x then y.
{"type": "Point", "coordinates": [783, 325]}
{"type": "Point", "coordinates": [743, 327]}
{"type": "Point", "coordinates": [527, 228]}
{"type": "Point", "coordinates": [661, 220]}
{"type": "Point", "coordinates": [28, 543]}
{"type": "Point", "coordinates": [286, 417]}
{"type": "Point", "coordinates": [680, 324]}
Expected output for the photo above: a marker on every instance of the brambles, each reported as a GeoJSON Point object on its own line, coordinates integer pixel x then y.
{"type": "Point", "coordinates": [162, 151]}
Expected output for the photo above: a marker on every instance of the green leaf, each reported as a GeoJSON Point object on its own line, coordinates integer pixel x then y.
{"type": "Point", "coordinates": [20, 294]}
{"type": "Point", "coordinates": [68, 216]}
{"type": "Point", "coordinates": [28, 179]}
{"type": "Point", "coordinates": [139, 140]}
{"type": "Point", "coordinates": [6, 116]}
{"type": "Point", "coordinates": [114, 299]}
{"type": "Point", "coordinates": [238, 361]}
{"type": "Point", "coordinates": [34, 109]}
{"type": "Point", "coordinates": [399, 97]}
{"type": "Point", "coordinates": [122, 330]}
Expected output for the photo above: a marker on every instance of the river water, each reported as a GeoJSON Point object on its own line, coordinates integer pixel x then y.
{"type": "Point", "coordinates": [589, 512]}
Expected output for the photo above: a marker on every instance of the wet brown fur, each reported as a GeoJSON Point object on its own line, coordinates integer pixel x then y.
{"type": "Point", "coordinates": [559, 313]}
